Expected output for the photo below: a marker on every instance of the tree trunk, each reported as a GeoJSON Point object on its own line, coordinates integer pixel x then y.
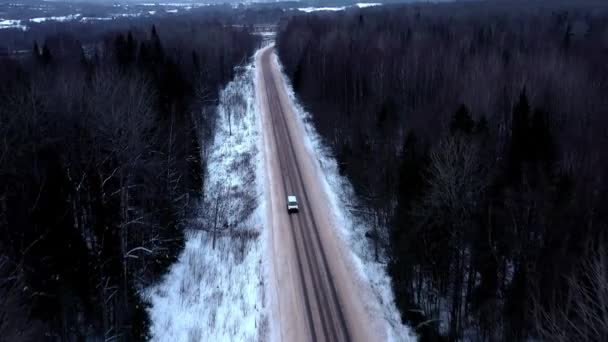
{"type": "Point", "coordinates": [217, 204]}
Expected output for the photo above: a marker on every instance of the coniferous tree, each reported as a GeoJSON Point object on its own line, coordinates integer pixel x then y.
{"type": "Point", "coordinates": [542, 142]}
{"type": "Point", "coordinates": [157, 47]}
{"type": "Point", "coordinates": [36, 52]}
{"type": "Point", "coordinates": [131, 47]}
{"type": "Point", "coordinates": [462, 121]}
{"type": "Point", "coordinates": [120, 50]}
{"type": "Point", "coordinates": [520, 133]}
{"type": "Point", "coordinates": [46, 56]}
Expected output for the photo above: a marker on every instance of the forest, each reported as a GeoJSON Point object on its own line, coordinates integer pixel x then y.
{"type": "Point", "coordinates": [476, 133]}
{"type": "Point", "coordinates": [101, 155]}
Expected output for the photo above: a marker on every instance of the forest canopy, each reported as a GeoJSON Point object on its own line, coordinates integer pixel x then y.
{"type": "Point", "coordinates": [476, 133]}
{"type": "Point", "coordinates": [100, 167]}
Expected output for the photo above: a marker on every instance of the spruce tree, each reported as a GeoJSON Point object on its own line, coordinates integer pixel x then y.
{"type": "Point", "coordinates": [520, 128]}
{"type": "Point", "coordinates": [47, 57]}
{"type": "Point", "coordinates": [462, 121]}
{"type": "Point", "coordinates": [36, 52]}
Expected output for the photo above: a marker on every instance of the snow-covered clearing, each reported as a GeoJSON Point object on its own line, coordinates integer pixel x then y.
{"type": "Point", "coordinates": [176, 4]}
{"type": "Point", "coordinates": [217, 294]}
{"type": "Point", "coordinates": [335, 9]}
{"type": "Point", "coordinates": [318, 9]}
{"type": "Point", "coordinates": [352, 227]}
{"type": "Point", "coordinates": [367, 4]}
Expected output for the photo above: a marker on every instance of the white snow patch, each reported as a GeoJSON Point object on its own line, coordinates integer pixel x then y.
{"type": "Point", "coordinates": [23, 24]}
{"type": "Point", "coordinates": [88, 19]}
{"type": "Point", "coordinates": [367, 4]}
{"type": "Point", "coordinates": [319, 9]}
{"type": "Point", "coordinates": [8, 23]}
{"type": "Point", "coordinates": [60, 19]}
{"type": "Point", "coordinates": [351, 228]}
{"type": "Point", "coordinates": [175, 4]}
{"type": "Point", "coordinates": [267, 34]}
{"type": "Point", "coordinates": [125, 15]}
{"type": "Point", "coordinates": [336, 9]}
{"type": "Point", "coordinates": [218, 294]}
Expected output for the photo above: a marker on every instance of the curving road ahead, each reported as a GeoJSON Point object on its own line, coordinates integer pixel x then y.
{"type": "Point", "coordinates": [317, 297]}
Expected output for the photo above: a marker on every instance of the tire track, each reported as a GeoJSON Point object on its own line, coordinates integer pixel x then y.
{"type": "Point", "coordinates": [309, 218]}
{"type": "Point", "coordinates": [299, 261]}
{"type": "Point", "coordinates": [323, 303]}
{"type": "Point", "coordinates": [325, 309]}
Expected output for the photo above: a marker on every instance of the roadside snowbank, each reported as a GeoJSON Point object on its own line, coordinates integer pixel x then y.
{"type": "Point", "coordinates": [351, 227]}
{"type": "Point", "coordinates": [217, 294]}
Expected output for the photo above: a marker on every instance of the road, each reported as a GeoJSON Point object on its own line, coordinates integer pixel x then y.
{"type": "Point", "coordinates": [317, 296]}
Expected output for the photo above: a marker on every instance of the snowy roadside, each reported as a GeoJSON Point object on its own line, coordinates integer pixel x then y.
{"type": "Point", "coordinates": [351, 228]}
{"type": "Point", "coordinates": [215, 291]}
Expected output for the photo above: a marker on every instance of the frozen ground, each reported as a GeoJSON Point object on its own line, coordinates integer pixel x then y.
{"type": "Point", "coordinates": [352, 229]}
{"type": "Point", "coordinates": [217, 294]}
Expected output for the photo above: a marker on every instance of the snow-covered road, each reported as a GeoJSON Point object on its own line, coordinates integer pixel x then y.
{"type": "Point", "coordinates": [321, 290]}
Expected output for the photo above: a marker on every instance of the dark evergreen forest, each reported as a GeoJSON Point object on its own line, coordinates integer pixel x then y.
{"type": "Point", "coordinates": [476, 132]}
{"type": "Point", "coordinates": [100, 167]}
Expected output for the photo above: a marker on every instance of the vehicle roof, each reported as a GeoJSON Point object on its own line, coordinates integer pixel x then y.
{"type": "Point", "coordinates": [291, 198]}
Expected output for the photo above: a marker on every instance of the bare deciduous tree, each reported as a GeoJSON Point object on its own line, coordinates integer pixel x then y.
{"type": "Point", "coordinates": [584, 314]}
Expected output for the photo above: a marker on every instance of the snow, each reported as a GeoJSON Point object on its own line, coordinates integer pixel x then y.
{"type": "Point", "coordinates": [80, 18]}
{"type": "Point", "coordinates": [267, 34]}
{"type": "Point", "coordinates": [7, 23]}
{"type": "Point", "coordinates": [218, 294]}
{"type": "Point", "coordinates": [352, 227]}
{"type": "Point", "coordinates": [268, 37]}
{"type": "Point", "coordinates": [336, 9]}
{"type": "Point", "coordinates": [175, 4]}
{"type": "Point", "coordinates": [126, 15]}
{"type": "Point", "coordinates": [318, 9]}
{"type": "Point", "coordinates": [88, 19]}
{"type": "Point", "coordinates": [60, 19]}
{"type": "Point", "coordinates": [367, 4]}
